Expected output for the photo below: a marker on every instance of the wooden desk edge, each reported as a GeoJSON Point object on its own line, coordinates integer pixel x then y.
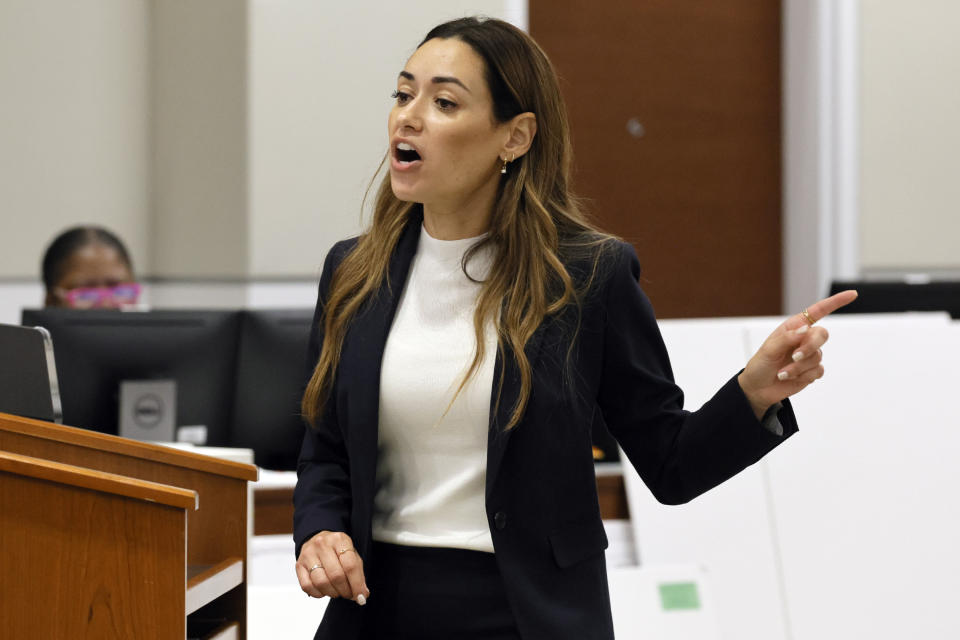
{"type": "Point", "coordinates": [98, 481]}
{"type": "Point", "coordinates": [124, 446]}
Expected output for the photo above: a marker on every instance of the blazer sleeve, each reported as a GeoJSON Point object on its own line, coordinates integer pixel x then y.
{"type": "Point", "coordinates": [321, 499]}
{"type": "Point", "coordinates": [678, 454]}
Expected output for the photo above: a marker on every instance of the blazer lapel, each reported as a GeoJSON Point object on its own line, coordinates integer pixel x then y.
{"type": "Point", "coordinates": [498, 437]}
{"type": "Point", "coordinates": [368, 337]}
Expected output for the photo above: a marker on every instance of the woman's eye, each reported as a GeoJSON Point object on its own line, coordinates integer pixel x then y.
{"type": "Point", "coordinates": [445, 105]}
{"type": "Point", "coordinates": [400, 97]}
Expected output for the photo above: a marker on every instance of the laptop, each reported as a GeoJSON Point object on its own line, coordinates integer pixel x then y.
{"type": "Point", "coordinates": [28, 374]}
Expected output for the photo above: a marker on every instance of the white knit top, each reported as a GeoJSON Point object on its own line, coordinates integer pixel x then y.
{"type": "Point", "coordinates": [431, 465]}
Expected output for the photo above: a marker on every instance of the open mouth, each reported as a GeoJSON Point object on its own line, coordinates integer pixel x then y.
{"type": "Point", "coordinates": [406, 153]}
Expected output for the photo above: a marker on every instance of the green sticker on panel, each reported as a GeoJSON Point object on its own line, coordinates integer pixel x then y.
{"type": "Point", "coordinates": [679, 596]}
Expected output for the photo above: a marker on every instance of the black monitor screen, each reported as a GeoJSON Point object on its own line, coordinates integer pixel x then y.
{"type": "Point", "coordinates": [96, 350]}
{"type": "Point", "coordinates": [892, 296]}
{"type": "Point", "coordinates": [271, 375]}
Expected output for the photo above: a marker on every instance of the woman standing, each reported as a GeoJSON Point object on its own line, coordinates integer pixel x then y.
{"type": "Point", "coordinates": [464, 347]}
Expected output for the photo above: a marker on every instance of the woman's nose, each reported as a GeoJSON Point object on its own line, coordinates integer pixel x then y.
{"type": "Point", "coordinates": [409, 117]}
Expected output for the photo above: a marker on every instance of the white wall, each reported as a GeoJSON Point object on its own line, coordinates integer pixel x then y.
{"type": "Point", "coordinates": [222, 140]}
{"type": "Point", "coordinates": [199, 133]}
{"type": "Point", "coordinates": [74, 143]}
{"type": "Point", "coordinates": [910, 133]}
{"type": "Point", "coordinates": [229, 143]}
{"type": "Point", "coordinates": [819, 153]}
{"type": "Point", "coordinates": [321, 75]}
{"type": "Point", "coordinates": [233, 140]}
{"type": "Point", "coordinates": [806, 267]}
{"type": "Point", "coordinates": [15, 296]}
{"type": "Point", "coordinates": [870, 104]}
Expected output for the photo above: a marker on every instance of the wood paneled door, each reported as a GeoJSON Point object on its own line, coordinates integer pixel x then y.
{"type": "Point", "coordinates": [675, 110]}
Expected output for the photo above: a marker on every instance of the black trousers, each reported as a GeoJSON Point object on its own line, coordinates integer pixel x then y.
{"type": "Point", "coordinates": [428, 593]}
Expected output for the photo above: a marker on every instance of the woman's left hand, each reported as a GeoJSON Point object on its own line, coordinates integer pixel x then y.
{"type": "Point", "coordinates": [790, 358]}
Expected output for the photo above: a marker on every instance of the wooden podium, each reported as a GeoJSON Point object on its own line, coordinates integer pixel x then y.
{"type": "Point", "coordinates": [104, 537]}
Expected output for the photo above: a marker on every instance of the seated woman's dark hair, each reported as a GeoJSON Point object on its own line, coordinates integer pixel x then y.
{"type": "Point", "coordinates": [69, 242]}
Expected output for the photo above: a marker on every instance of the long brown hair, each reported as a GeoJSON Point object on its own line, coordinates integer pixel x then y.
{"type": "Point", "coordinates": [536, 220]}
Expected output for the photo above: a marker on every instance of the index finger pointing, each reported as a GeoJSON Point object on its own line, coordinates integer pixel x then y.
{"type": "Point", "coordinates": [820, 310]}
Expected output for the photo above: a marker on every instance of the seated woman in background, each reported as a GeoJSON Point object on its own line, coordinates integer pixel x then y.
{"type": "Point", "coordinates": [88, 268]}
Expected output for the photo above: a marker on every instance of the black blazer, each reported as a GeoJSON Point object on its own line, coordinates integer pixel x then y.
{"type": "Point", "coordinates": [541, 491]}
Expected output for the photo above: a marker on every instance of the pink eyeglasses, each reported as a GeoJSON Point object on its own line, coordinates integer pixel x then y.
{"type": "Point", "coordinates": [123, 294]}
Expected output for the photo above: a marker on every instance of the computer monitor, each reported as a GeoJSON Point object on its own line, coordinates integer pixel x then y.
{"type": "Point", "coordinates": [96, 350]}
{"type": "Point", "coordinates": [895, 296]}
{"type": "Point", "coordinates": [272, 372]}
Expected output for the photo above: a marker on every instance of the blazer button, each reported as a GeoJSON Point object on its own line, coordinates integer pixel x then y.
{"type": "Point", "coordinates": [500, 520]}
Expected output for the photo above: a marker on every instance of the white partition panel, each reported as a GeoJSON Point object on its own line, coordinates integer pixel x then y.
{"type": "Point", "coordinates": [726, 531]}
{"type": "Point", "coordinates": [865, 497]}
{"type": "Point", "coordinates": [663, 602]}
{"type": "Point", "coordinates": [734, 531]}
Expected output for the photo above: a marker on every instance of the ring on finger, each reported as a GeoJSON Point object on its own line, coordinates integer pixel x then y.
{"type": "Point", "coordinates": [808, 318]}
{"type": "Point", "coordinates": [340, 552]}
{"type": "Point", "coordinates": [314, 567]}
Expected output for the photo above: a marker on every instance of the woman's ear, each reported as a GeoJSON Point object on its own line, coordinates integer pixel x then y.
{"type": "Point", "coordinates": [522, 129]}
